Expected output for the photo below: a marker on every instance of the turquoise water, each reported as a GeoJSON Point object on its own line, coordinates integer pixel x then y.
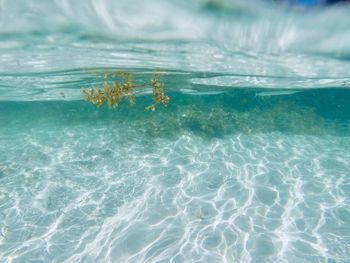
{"type": "Point", "coordinates": [250, 162]}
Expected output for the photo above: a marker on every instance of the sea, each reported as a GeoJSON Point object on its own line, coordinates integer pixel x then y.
{"type": "Point", "coordinates": [249, 161]}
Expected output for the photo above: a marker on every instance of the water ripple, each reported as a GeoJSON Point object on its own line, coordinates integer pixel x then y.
{"type": "Point", "coordinates": [264, 197]}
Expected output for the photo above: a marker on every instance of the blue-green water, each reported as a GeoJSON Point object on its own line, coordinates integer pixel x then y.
{"type": "Point", "coordinates": [250, 162]}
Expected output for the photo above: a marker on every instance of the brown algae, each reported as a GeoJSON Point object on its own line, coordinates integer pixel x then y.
{"type": "Point", "coordinates": [119, 85]}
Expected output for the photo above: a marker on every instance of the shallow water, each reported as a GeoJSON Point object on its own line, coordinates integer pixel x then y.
{"type": "Point", "coordinates": [250, 162]}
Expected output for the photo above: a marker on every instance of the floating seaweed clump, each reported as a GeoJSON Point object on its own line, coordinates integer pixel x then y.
{"type": "Point", "coordinates": [119, 85]}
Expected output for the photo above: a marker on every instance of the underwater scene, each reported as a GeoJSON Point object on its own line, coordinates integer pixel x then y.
{"type": "Point", "coordinates": [174, 131]}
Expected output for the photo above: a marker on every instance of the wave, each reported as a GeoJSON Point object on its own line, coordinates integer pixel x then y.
{"type": "Point", "coordinates": [259, 44]}
{"type": "Point", "coordinates": [236, 25]}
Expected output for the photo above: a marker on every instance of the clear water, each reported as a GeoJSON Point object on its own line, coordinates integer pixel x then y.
{"type": "Point", "coordinates": [250, 162]}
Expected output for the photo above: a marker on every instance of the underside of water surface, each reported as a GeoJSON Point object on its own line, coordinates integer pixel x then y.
{"type": "Point", "coordinates": [249, 162]}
